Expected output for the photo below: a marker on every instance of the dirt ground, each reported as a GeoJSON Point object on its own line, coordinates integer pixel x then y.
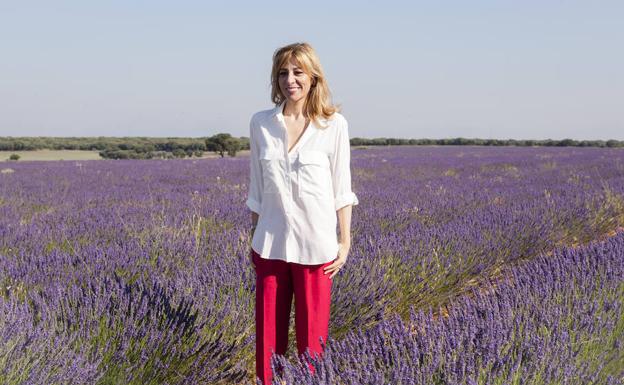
{"type": "Point", "coordinates": [50, 155]}
{"type": "Point", "coordinates": [77, 155]}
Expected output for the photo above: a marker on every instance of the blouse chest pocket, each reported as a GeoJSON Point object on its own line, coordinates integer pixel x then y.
{"type": "Point", "coordinates": [271, 171]}
{"type": "Point", "coordinates": [314, 175]}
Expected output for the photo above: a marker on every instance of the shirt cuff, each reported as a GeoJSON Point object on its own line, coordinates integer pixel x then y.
{"type": "Point", "coordinates": [346, 199]}
{"type": "Point", "coordinates": [253, 205]}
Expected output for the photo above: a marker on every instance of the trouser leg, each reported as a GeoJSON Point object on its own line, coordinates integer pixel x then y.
{"type": "Point", "coordinates": [312, 304]}
{"type": "Point", "coordinates": [274, 294]}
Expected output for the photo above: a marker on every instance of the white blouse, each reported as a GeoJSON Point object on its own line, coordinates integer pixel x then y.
{"type": "Point", "coordinates": [297, 194]}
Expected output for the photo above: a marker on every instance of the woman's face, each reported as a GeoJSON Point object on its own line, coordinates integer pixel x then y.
{"type": "Point", "coordinates": [294, 83]}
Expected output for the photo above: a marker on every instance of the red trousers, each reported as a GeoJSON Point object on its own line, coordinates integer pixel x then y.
{"type": "Point", "coordinates": [276, 282]}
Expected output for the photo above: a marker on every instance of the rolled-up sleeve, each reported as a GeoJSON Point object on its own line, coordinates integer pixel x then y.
{"type": "Point", "coordinates": [341, 168]}
{"type": "Point", "coordinates": [254, 199]}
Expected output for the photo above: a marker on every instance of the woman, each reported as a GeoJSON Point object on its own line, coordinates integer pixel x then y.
{"type": "Point", "coordinates": [300, 181]}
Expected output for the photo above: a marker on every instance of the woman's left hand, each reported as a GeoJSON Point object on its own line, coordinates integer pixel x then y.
{"type": "Point", "coordinates": [341, 259]}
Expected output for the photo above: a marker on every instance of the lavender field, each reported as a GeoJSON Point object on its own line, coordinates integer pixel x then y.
{"type": "Point", "coordinates": [468, 265]}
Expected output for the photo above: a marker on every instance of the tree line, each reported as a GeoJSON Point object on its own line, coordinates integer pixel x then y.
{"type": "Point", "coordinates": [486, 142]}
{"type": "Point", "coordinates": [132, 147]}
{"type": "Point", "coordinates": [223, 143]}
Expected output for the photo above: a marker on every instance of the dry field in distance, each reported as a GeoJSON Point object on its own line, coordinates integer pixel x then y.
{"type": "Point", "coordinates": [74, 155]}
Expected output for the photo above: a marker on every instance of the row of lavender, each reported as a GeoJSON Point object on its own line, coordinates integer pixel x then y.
{"type": "Point", "coordinates": [557, 319]}
{"type": "Point", "coordinates": [136, 271]}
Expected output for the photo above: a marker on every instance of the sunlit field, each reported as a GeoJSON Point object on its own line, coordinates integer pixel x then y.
{"type": "Point", "coordinates": [51, 155]}
{"type": "Point", "coordinates": [468, 265]}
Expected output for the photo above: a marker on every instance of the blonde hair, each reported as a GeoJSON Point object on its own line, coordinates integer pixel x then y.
{"type": "Point", "coordinates": [318, 101]}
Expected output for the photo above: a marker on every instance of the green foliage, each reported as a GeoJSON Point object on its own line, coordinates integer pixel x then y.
{"type": "Point", "coordinates": [101, 143]}
{"type": "Point", "coordinates": [14, 157]}
{"type": "Point", "coordinates": [484, 142]}
{"type": "Point", "coordinates": [222, 143]}
{"type": "Point", "coordinates": [179, 153]}
{"type": "Point", "coordinates": [130, 147]}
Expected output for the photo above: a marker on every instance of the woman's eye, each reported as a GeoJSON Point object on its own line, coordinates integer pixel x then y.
{"type": "Point", "coordinates": [298, 73]}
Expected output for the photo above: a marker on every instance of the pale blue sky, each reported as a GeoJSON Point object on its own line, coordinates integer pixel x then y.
{"type": "Point", "coordinates": [410, 69]}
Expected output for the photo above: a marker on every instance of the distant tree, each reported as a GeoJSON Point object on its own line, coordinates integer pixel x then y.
{"type": "Point", "coordinates": [379, 142]}
{"type": "Point", "coordinates": [14, 157]}
{"type": "Point", "coordinates": [566, 142]}
{"type": "Point", "coordinates": [179, 153]}
{"type": "Point", "coordinates": [168, 146]}
{"type": "Point", "coordinates": [244, 143]}
{"type": "Point", "coordinates": [459, 141]}
{"type": "Point", "coordinates": [222, 143]}
{"type": "Point", "coordinates": [357, 141]}
{"type": "Point", "coordinates": [197, 146]}
{"type": "Point", "coordinates": [600, 143]}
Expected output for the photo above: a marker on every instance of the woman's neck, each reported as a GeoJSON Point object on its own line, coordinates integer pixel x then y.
{"type": "Point", "coordinates": [294, 111]}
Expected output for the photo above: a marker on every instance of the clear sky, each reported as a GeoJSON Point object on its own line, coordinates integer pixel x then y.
{"type": "Point", "coordinates": [411, 69]}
